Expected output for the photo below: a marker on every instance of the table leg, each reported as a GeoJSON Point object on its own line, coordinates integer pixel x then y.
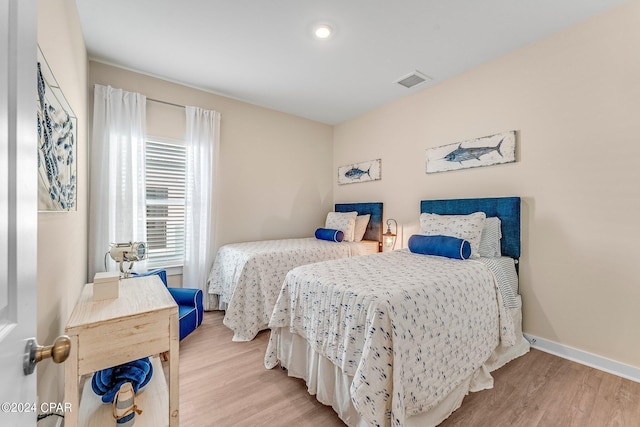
{"type": "Point", "coordinates": [174, 344]}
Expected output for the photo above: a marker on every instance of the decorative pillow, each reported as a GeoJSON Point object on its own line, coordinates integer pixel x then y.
{"type": "Point", "coordinates": [467, 227]}
{"type": "Point", "coordinates": [329, 234]}
{"type": "Point", "coordinates": [445, 246]}
{"type": "Point", "coordinates": [343, 221]}
{"type": "Point", "coordinates": [361, 227]}
{"type": "Point", "coordinates": [490, 238]}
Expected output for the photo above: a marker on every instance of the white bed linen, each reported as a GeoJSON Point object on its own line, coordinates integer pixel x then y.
{"type": "Point", "coordinates": [368, 329]}
{"type": "Point", "coordinates": [247, 277]}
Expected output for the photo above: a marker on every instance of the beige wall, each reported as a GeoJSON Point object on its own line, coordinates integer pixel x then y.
{"type": "Point", "coordinates": [62, 237]}
{"type": "Point", "coordinates": [574, 99]}
{"type": "Point", "coordinates": [274, 171]}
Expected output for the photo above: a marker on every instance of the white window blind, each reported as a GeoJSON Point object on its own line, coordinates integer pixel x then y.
{"type": "Point", "coordinates": [165, 175]}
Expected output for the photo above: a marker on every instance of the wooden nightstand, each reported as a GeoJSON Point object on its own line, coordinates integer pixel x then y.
{"type": "Point", "coordinates": [371, 247]}
{"type": "Point", "coordinates": [142, 321]}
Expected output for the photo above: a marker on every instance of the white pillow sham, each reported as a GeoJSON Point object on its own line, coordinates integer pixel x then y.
{"type": "Point", "coordinates": [467, 227]}
{"type": "Point", "coordinates": [361, 227]}
{"type": "Point", "coordinates": [490, 239]}
{"type": "Point", "coordinates": [343, 221]}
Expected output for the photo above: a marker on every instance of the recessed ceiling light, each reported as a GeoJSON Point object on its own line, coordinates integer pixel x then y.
{"type": "Point", "coordinates": [323, 31]}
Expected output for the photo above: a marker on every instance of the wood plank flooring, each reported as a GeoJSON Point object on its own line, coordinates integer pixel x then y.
{"type": "Point", "coordinates": [223, 383]}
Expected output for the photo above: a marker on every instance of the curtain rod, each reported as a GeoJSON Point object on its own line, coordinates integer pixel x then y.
{"type": "Point", "coordinates": [165, 102]}
{"type": "Point", "coordinates": [159, 101]}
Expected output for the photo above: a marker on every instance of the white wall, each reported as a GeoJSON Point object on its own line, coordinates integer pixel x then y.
{"type": "Point", "coordinates": [574, 99]}
{"type": "Point", "coordinates": [62, 237]}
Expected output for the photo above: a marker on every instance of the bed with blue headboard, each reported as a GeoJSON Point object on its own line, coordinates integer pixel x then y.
{"type": "Point", "coordinates": [246, 277]}
{"type": "Point", "coordinates": [373, 233]}
{"type": "Point", "coordinates": [505, 208]}
{"type": "Point", "coordinates": [398, 338]}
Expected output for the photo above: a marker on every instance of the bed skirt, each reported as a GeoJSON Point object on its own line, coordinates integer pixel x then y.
{"type": "Point", "coordinates": [331, 386]}
{"type": "Point", "coordinates": [215, 303]}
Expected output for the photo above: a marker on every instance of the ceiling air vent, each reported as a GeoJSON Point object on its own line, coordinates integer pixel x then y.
{"type": "Point", "coordinates": [413, 79]}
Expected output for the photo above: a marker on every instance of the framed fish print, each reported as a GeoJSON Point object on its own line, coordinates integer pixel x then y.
{"type": "Point", "coordinates": [486, 151]}
{"type": "Point", "coordinates": [359, 172]}
{"type": "Point", "coordinates": [56, 144]}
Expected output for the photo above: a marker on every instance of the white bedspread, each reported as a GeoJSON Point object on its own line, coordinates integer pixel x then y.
{"type": "Point", "coordinates": [408, 334]}
{"type": "Point", "coordinates": [248, 276]}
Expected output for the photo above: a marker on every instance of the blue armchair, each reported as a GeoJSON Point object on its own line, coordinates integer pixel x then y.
{"type": "Point", "coordinates": [189, 300]}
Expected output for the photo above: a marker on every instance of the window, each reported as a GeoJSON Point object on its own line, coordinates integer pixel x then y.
{"type": "Point", "coordinates": [165, 176]}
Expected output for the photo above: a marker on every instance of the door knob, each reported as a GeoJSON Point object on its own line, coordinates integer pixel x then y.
{"type": "Point", "coordinates": [34, 353]}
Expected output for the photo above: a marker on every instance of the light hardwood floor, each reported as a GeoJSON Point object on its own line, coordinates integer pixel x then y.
{"type": "Point", "coordinates": [223, 383]}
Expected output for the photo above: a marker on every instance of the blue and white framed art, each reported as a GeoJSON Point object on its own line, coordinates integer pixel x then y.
{"type": "Point", "coordinates": [359, 172]}
{"type": "Point", "coordinates": [486, 151]}
{"type": "Point", "coordinates": [57, 131]}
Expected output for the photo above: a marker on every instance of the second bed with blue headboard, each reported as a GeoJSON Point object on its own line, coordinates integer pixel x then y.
{"type": "Point", "coordinates": [507, 209]}
{"type": "Point", "coordinates": [399, 338]}
{"type": "Point", "coordinates": [246, 277]}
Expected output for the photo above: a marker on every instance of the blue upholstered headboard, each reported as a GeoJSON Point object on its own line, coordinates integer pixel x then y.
{"type": "Point", "coordinates": [374, 229]}
{"type": "Point", "coordinates": [505, 208]}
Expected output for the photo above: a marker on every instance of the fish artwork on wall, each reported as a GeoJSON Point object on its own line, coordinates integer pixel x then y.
{"type": "Point", "coordinates": [486, 151]}
{"type": "Point", "coordinates": [56, 130]}
{"type": "Point", "coordinates": [359, 172]}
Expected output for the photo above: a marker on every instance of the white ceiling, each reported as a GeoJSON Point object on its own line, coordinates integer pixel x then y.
{"type": "Point", "coordinates": [263, 51]}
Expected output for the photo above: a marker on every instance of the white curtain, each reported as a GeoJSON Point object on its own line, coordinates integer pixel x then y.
{"type": "Point", "coordinates": [117, 186]}
{"type": "Point", "coordinates": [202, 140]}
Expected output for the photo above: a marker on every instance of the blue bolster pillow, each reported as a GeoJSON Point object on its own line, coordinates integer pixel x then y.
{"type": "Point", "coordinates": [329, 234]}
{"type": "Point", "coordinates": [446, 246]}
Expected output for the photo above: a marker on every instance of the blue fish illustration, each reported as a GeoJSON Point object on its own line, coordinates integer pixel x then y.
{"type": "Point", "coordinates": [461, 154]}
{"type": "Point", "coordinates": [356, 173]}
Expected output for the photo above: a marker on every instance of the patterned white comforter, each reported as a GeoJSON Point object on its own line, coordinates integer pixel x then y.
{"type": "Point", "coordinates": [409, 328]}
{"type": "Point", "coordinates": [248, 276]}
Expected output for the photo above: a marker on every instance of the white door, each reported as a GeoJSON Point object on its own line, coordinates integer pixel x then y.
{"type": "Point", "coordinates": [18, 208]}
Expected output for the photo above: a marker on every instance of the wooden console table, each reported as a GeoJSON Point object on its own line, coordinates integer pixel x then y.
{"type": "Point", "coordinates": [141, 322]}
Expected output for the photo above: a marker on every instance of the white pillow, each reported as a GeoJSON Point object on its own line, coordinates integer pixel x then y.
{"type": "Point", "coordinates": [343, 221]}
{"type": "Point", "coordinates": [490, 238]}
{"type": "Point", "coordinates": [361, 227]}
{"type": "Point", "coordinates": [467, 227]}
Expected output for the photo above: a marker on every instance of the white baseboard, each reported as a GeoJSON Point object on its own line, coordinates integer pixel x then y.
{"type": "Point", "coordinates": [585, 358]}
